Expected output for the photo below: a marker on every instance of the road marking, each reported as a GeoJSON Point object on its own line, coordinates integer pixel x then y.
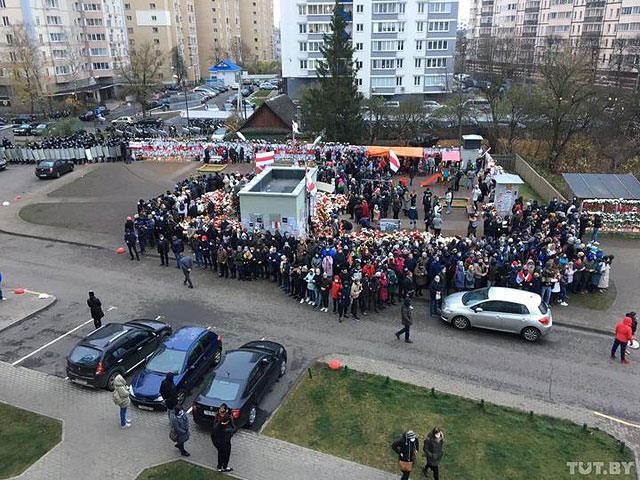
{"type": "Point", "coordinates": [629, 424]}
{"type": "Point", "coordinates": [159, 317]}
{"type": "Point", "coordinates": [40, 294]}
{"type": "Point", "coordinates": [111, 308]}
{"type": "Point", "coordinates": [189, 411]}
{"type": "Point", "coordinates": [50, 343]}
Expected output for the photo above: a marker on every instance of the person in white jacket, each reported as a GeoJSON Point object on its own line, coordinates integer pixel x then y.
{"type": "Point", "coordinates": [121, 399]}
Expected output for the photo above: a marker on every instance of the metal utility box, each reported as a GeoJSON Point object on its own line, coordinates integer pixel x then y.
{"type": "Point", "coordinates": [507, 187]}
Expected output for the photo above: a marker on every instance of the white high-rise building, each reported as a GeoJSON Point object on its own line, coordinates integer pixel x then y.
{"type": "Point", "coordinates": [401, 47]}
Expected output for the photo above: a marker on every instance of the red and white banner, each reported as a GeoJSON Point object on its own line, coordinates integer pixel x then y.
{"type": "Point", "coordinates": [311, 186]}
{"type": "Point", "coordinates": [394, 162]}
{"type": "Point", "coordinates": [263, 160]}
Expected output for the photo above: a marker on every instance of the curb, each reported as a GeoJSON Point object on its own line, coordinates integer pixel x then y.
{"type": "Point", "coordinates": [583, 329]}
{"type": "Point", "coordinates": [48, 239]}
{"type": "Point", "coordinates": [31, 315]}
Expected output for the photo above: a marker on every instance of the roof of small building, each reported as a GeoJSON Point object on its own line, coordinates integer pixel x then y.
{"type": "Point", "coordinates": [603, 185]}
{"type": "Point", "coordinates": [225, 66]}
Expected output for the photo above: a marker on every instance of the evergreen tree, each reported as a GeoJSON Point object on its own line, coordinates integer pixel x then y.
{"type": "Point", "coordinates": [333, 105]}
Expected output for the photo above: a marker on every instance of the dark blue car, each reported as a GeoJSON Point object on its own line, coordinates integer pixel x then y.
{"type": "Point", "coordinates": [188, 353]}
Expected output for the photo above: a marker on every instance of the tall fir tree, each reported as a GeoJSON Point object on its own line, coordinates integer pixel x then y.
{"type": "Point", "coordinates": [333, 105]}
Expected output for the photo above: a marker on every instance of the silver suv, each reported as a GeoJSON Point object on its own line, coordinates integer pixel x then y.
{"type": "Point", "coordinates": [498, 308]}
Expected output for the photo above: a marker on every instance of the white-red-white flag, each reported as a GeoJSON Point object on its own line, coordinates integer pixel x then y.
{"type": "Point", "coordinates": [394, 162]}
{"type": "Point", "coordinates": [263, 160]}
{"type": "Point", "coordinates": [311, 186]}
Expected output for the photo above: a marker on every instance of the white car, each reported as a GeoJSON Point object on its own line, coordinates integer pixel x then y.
{"type": "Point", "coordinates": [267, 86]}
{"type": "Point", "coordinates": [431, 105]}
{"type": "Point", "coordinates": [234, 86]}
{"type": "Point", "coordinates": [121, 120]}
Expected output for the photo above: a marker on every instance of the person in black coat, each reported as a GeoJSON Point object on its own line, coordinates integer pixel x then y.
{"type": "Point", "coordinates": [223, 430]}
{"type": "Point", "coordinates": [169, 393]}
{"type": "Point", "coordinates": [163, 249]}
{"type": "Point", "coordinates": [407, 450]}
{"type": "Point", "coordinates": [130, 239]}
{"type": "Point", "coordinates": [96, 309]}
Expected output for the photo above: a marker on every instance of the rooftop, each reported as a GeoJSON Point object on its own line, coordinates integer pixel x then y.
{"type": "Point", "coordinates": [603, 185]}
{"type": "Point", "coordinates": [277, 180]}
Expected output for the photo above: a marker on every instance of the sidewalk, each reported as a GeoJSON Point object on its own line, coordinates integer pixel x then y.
{"type": "Point", "coordinates": [92, 439]}
{"type": "Point", "coordinates": [16, 308]}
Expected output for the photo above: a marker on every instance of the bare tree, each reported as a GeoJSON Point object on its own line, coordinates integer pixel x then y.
{"type": "Point", "coordinates": [454, 111]}
{"type": "Point", "coordinates": [141, 72]}
{"type": "Point", "coordinates": [25, 68]}
{"type": "Point", "coordinates": [178, 66]}
{"type": "Point", "coordinates": [376, 116]}
{"type": "Point", "coordinates": [520, 109]}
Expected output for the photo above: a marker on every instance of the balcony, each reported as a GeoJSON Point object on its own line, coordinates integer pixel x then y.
{"type": "Point", "coordinates": [595, 19]}
{"type": "Point", "coordinates": [531, 22]}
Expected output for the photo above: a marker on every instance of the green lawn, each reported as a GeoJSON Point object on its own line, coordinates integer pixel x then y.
{"type": "Point", "coordinates": [24, 438]}
{"type": "Point", "coordinates": [594, 301]}
{"type": "Point", "coordinates": [180, 470]}
{"type": "Point", "coordinates": [357, 416]}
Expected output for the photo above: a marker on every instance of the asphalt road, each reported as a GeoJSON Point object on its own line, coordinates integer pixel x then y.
{"type": "Point", "coordinates": [568, 367]}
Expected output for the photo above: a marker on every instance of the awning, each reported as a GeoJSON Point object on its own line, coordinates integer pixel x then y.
{"type": "Point", "coordinates": [400, 151]}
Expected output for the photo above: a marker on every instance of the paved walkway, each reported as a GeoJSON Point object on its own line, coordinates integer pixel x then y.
{"type": "Point", "coordinates": [93, 440]}
{"type": "Point", "coordinates": [16, 308]}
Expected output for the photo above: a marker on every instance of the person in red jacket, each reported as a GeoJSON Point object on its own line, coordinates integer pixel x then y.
{"type": "Point", "coordinates": [623, 335]}
{"type": "Point", "coordinates": [336, 285]}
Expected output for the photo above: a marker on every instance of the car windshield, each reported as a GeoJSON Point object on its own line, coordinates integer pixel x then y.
{"type": "Point", "coordinates": [225, 389]}
{"type": "Point", "coordinates": [543, 308]}
{"type": "Point", "coordinates": [166, 360]}
{"type": "Point", "coordinates": [82, 355]}
{"type": "Point", "coordinates": [475, 296]}
{"type": "Point", "coordinates": [46, 164]}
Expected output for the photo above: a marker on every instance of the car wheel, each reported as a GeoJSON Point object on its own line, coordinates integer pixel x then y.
{"type": "Point", "coordinates": [531, 334]}
{"type": "Point", "coordinates": [283, 368]}
{"type": "Point", "coordinates": [72, 167]}
{"type": "Point", "coordinates": [461, 323]}
{"type": "Point", "coordinates": [181, 396]}
{"type": "Point", "coordinates": [217, 356]}
{"type": "Point", "coordinates": [253, 414]}
{"type": "Point", "coordinates": [58, 174]}
{"type": "Point", "coordinates": [110, 381]}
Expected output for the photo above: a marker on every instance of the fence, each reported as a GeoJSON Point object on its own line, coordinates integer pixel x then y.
{"type": "Point", "coordinates": [76, 155]}
{"type": "Point", "coordinates": [515, 163]}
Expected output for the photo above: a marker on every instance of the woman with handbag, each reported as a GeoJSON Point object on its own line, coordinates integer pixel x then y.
{"type": "Point", "coordinates": [407, 449]}
{"type": "Point", "coordinates": [223, 430]}
{"type": "Point", "coordinates": [180, 429]}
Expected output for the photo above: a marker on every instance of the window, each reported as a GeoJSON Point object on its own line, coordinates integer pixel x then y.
{"type": "Point", "coordinates": [421, 7]}
{"type": "Point", "coordinates": [303, 46]}
{"type": "Point", "coordinates": [417, 63]}
{"type": "Point", "coordinates": [382, 82]}
{"type": "Point", "coordinates": [62, 70]}
{"type": "Point", "coordinates": [205, 341]}
{"type": "Point", "coordinates": [302, 28]}
{"type": "Point", "coordinates": [93, 22]}
{"type": "Point", "coordinates": [399, 62]}
{"type": "Point", "coordinates": [100, 66]}
{"type": "Point", "coordinates": [53, 20]}
{"type": "Point", "coordinates": [359, 82]}
{"type": "Point", "coordinates": [437, 44]}
{"type": "Point", "coordinates": [382, 63]}
{"type": "Point", "coordinates": [51, 4]}
{"type": "Point", "coordinates": [359, 64]}
{"type": "Point", "coordinates": [156, 41]}
{"type": "Point", "coordinates": [319, 28]}
{"type": "Point", "coordinates": [129, 30]}
{"type": "Point", "coordinates": [129, 18]}
{"type": "Point", "coordinates": [154, 18]}
{"type": "Point", "coordinates": [388, 27]}
{"type": "Point", "coordinates": [326, 9]}
{"type": "Point", "coordinates": [152, 6]}
{"type": "Point", "coordinates": [359, 46]}
{"type": "Point", "coordinates": [303, 64]}
{"type": "Point", "coordinates": [434, 81]}
{"type": "Point", "coordinates": [630, 11]}
{"type": "Point", "coordinates": [56, 37]}
{"type": "Point", "coordinates": [419, 26]}
{"type": "Point", "coordinates": [398, 81]}
{"type": "Point", "coordinates": [99, 52]}
{"type": "Point", "coordinates": [12, 56]}
{"type": "Point", "coordinates": [419, 44]}
{"type": "Point", "coordinates": [438, 26]}
{"type": "Point", "coordinates": [194, 355]}
{"type": "Point", "coordinates": [388, 7]}
{"type": "Point", "coordinates": [3, 4]}
{"type": "Point", "coordinates": [5, 21]}
{"type": "Point", "coordinates": [154, 29]}
{"type": "Point", "coordinates": [439, 8]}
{"type": "Point", "coordinates": [96, 37]}
{"type": "Point", "coordinates": [127, 6]}
{"type": "Point", "coordinates": [56, 53]}
{"type": "Point", "coordinates": [436, 62]}
{"type": "Point", "coordinates": [384, 45]}
{"type": "Point", "coordinates": [359, 27]}
{"type": "Point", "coordinates": [417, 81]}
{"type": "Point", "coordinates": [359, 8]}
{"type": "Point", "coordinates": [9, 39]}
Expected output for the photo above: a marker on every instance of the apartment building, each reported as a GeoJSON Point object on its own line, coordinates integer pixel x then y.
{"type": "Point", "coordinates": [607, 30]}
{"type": "Point", "coordinates": [256, 26]}
{"type": "Point", "coordinates": [402, 47]}
{"type": "Point", "coordinates": [76, 45]}
{"type": "Point", "coordinates": [166, 24]}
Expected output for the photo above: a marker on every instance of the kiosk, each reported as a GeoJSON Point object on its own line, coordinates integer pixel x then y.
{"type": "Point", "coordinates": [507, 186]}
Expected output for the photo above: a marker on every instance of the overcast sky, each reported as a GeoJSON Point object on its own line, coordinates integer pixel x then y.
{"type": "Point", "coordinates": [463, 12]}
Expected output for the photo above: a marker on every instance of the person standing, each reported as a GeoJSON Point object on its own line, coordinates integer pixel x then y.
{"type": "Point", "coordinates": [186, 264]}
{"type": "Point", "coordinates": [437, 224]}
{"type": "Point", "coordinates": [177, 247]}
{"type": "Point", "coordinates": [434, 450]}
{"type": "Point", "coordinates": [163, 249]}
{"type": "Point", "coordinates": [169, 393]}
{"type": "Point", "coordinates": [96, 309]}
{"type": "Point", "coordinates": [407, 450]}
{"type": "Point", "coordinates": [436, 290]}
{"type": "Point", "coordinates": [406, 321]}
{"type": "Point", "coordinates": [1, 297]}
{"type": "Point", "coordinates": [623, 335]}
{"type": "Point", "coordinates": [180, 427]}
{"type": "Point", "coordinates": [223, 430]}
{"type": "Point", "coordinates": [448, 198]}
{"type": "Point", "coordinates": [121, 399]}
{"type": "Point", "coordinates": [356, 290]}
{"type": "Point", "coordinates": [130, 239]}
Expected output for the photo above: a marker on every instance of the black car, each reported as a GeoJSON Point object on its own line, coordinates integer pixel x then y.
{"type": "Point", "coordinates": [88, 116]}
{"type": "Point", "coordinates": [53, 168]}
{"type": "Point", "coordinates": [23, 130]}
{"type": "Point", "coordinates": [24, 118]}
{"type": "Point", "coordinates": [241, 380]}
{"type": "Point", "coordinates": [114, 348]}
{"type": "Point", "coordinates": [149, 122]}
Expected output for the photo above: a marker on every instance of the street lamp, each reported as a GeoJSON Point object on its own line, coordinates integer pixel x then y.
{"type": "Point", "coordinates": [184, 89]}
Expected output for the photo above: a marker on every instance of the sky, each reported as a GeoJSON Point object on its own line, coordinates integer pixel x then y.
{"type": "Point", "coordinates": [463, 11]}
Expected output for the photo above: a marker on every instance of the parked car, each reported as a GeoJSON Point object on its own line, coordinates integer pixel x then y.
{"type": "Point", "coordinates": [241, 381]}
{"type": "Point", "coordinates": [23, 118]}
{"type": "Point", "coordinates": [234, 86]}
{"type": "Point", "coordinates": [114, 348]}
{"type": "Point", "coordinates": [477, 105]}
{"type": "Point", "coordinates": [53, 168]}
{"type": "Point", "coordinates": [392, 104]}
{"type": "Point", "coordinates": [246, 91]}
{"type": "Point", "coordinates": [41, 130]}
{"type": "Point", "coordinates": [267, 86]}
{"type": "Point", "coordinates": [102, 111]}
{"type": "Point", "coordinates": [149, 122]}
{"type": "Point", "coordinates": [219, 134]}
{"type": "Point", "coordinates": [431, 105]}
{"type": "Point", "coordinates": [123, 120]}
{"type": "Point", "coordinates": [23, 130]}
{"type": "Point", "coordinates": [89, 116]}
{"type": "Point", "coordinates": [499, 308]}
{"type": "Point", "coordinates": [188, 353]}
{"type": "Point", "coordinates": [3, 163]}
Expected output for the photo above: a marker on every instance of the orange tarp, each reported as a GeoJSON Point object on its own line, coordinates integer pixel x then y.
{"type": "Point", "coordinates": [400, 151]}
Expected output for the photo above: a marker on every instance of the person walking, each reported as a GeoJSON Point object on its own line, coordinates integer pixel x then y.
{"type": "Point", "coordinates": [406, 321]}
{"type": "Point", "coordinates": [169, 393]}
{"type": "Point", "coordinates": [121, 399]}
{"type": "Point", "coordinates": [623, 335]}
{"type": "Point", "coordinates": [180, 429]}
{"type": "Point", "coordinates": [186, 263]}
{"type": "Point", "coordinates": [407, 450]}
{"type": "Point", "coordinates": [177, 247]}
{"type": "Point", "coordinates": [96, 309]}
{"type": "Point", "coordinates": [434, 450]}
{"type": "Point", "coordinates": [223, 430]}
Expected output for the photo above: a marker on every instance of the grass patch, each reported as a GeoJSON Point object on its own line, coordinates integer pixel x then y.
{"type": "Point", "coordinates": [24, 438]}
{"type": "Point", "coordinates": [262, 93]}
{"type": "Point", "coordinates": [596, 300]}
{"type": "Point", "coordinates": [180, 470]}
{"type": "Point", "coordinates": [357, 416]}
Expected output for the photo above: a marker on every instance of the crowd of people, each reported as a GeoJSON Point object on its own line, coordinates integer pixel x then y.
{"type": "Point", "coordinates": [358, 269]}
